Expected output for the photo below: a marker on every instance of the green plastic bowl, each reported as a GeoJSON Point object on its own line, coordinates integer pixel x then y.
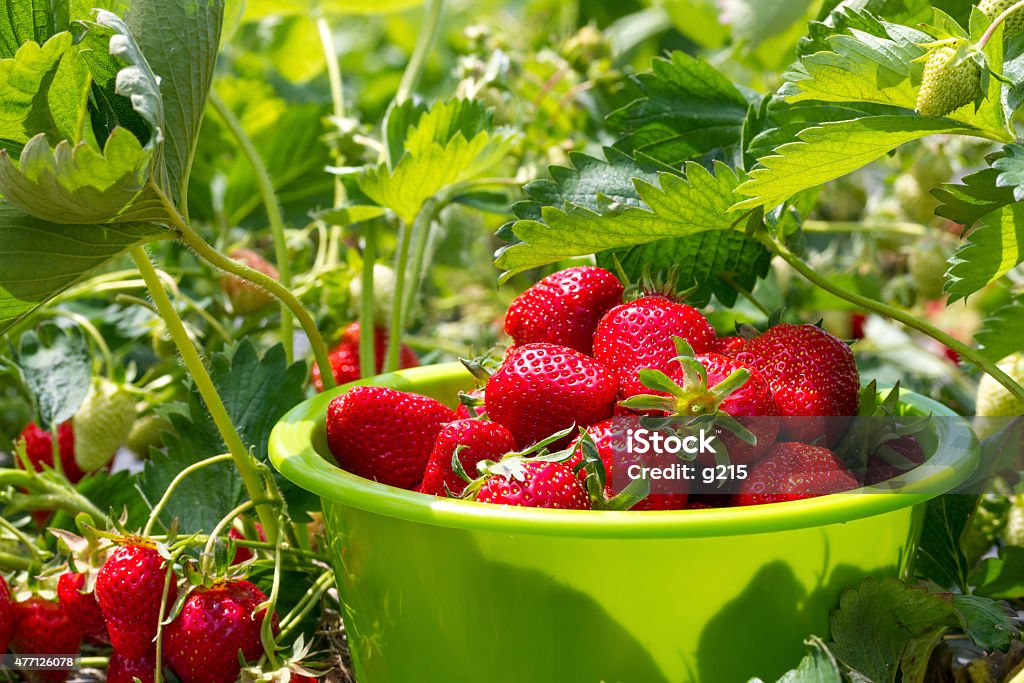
{"type": "Point", "coordinates": [449, 591]}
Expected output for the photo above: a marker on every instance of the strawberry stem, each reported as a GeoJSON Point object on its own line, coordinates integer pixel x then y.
{"type": "Point", "coordinates": [367, 323]}
{"type": "Point", "coordinates": [304, 606]}
{"type": "Point", "coordinates": [275, 216]}
{"type": "Point", "coordinates": [397, 324]}
{"type": "Point", "coordinates": [966, 352]}
{"type": "Point", "coordinates": [996, 23]}
{"type": "Point", "coordinates": [204, 384]}
{"type": "Point", "coordinates": [207, 556]}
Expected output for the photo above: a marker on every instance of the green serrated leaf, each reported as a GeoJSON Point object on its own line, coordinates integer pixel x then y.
{"type": "Point", "coordinates": [832, 150]}
{"type": "Point", "coordinates": [1002, 333]}
{"type": "Point", "coordinates": [687, 109]}
{"type": "Point", "coordinates": [39, 260]}
{"type": "Point", "coordinates": [180, 41]}
{"type": "Point", "coordinates": [75, 185]}
{"type": "Point", "coordinates": [57, 369]}
{"type": "Point", "coordinates": [881, 622]}
{"type": "Point", "coordinates": [989, 624]}
{"type": "Point", "coordinates": [992, 249]}
{"type": "Point", "coordinates": [111, 110]}
{"type": "Point", "coordinates": [939, 556]}
{"type": "Point", "coordinates": [819, 666]}
{"type": "Point", "coordinates": [449, 144]}
{"type": "Point", "coordinates": [974, 197]}
{"type": "Point", "coordinates": [754, 21]}
{"type": "Point", "coordinates": [678, 208]}
{"type": "Point", "coordinates": [1011, 170]}
{"type": "Point", "coordinates": [24, 21]}
{"type": "Point", "coordinates": [26, 79]}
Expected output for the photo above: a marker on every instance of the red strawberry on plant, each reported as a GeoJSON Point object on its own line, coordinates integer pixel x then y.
{"type": "Point", "coordinates": [243, 554]}
{"type": "Point", "coordinates": [812, 375]}
{"type": "Point", "coordinates": [471, 405]}
{"type": "Point", "coordinates": [344, 357]}
{"type": "Point", "coordinates": [564, 308]}
{"type": "Point", "coordinates": [6, 616]}
{"type": "Point", "coordinates": [123, 669]}
{"type": "Point", "coordinates": [638, 335]}
{"type": "Point", "coordinates": [541, 389]}
{"type": "Point", "coordinates": [39, 447]}
{"type": "Point", "coordinates": [129, 589]}
{"type": "Point", "coordinates": [727, 346]}
{"type": "Point", "coordinates": [81, 606]}
{"type": "Point", "coordinates": [202, 644]}
{"type": "Point", "coordinates": [793, 471]}
{"type": "Point", "coordinates": [385, 435]}
{"type": "Point", "coordinates": [476, 441]}
{"type": "Point", "coordinates": [531, 483]}
{"type": "Point", "coordinates": [609, 436]}
{"type": "Point", "coordinates": [43, 627]}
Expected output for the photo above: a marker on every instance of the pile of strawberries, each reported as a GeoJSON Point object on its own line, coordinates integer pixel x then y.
{"type": "Point", "coordinates": [584, 360]}
{"type": "Point", "coordinates": [213, 627]}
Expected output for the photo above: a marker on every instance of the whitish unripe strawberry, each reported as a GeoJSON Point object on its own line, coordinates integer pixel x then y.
{"type": "Point", "coordinates": [950, 81]}
{"type": "Point", "coordinates": [927, 264]}
{"type": "Point", "coordinates": [993, 8]}
{"type": "Point", "coordinates": [994, 401]}
{"type": "Point", "coordinates": [383, 291]}
{"type": "Point", "coordinates": [102, 424]}
{"type": "Point", "coordinates": [147, 434]}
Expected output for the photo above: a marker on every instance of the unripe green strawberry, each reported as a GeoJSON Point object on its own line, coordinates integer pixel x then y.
{"type": "Point", "coordinates": [949, 83]}
{"type": "Point", "coordinates": [146, 434]}
{"type": "Point", "coordinates": [1014, 23]}
{"type": "Point", "coordinates": [928, 264]}
{"type": "Point", "coordinates": [102, 424]}
{"type": "Point", "coordinates": [994, 401]}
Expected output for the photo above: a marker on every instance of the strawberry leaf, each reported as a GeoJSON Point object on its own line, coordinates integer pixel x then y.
{"type": "Point", "coordinates": [57, 369]}
{"type": "Point", "coordinates": [25, 21]}
{"type": "Point", "coordinates": [992, 249]}
{"type": "Point", "coordinates": [39, 260]}
{"type": "Point", "coordinates": [1002, 333]}
{"type": "Point", "coordinates": [451, 143]}
{"type": "Point", "coordinates": [675, 207]}
{"type": "Point", "coordinates": [831, 150]}
{"type": "Point", "coordinates": [819, 666]}
{"type": "Point", "coordinates": [1011, 170]}
{"type": "Point", "coordinates": [77, 184]}
{"type": "Point", "coordinates": [974, 197]}
{"type": "Point", "coordinates": [1002, 577]}
{"type": "Point", "coordinates": [687, 110]}
{"type": "Point", "coordinates": [989, 624]}
{"type": "Point", "coordinates": [940, 557]}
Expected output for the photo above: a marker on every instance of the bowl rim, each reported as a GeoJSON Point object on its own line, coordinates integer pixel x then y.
{"type": "Point", "coordinates": [293, 454]}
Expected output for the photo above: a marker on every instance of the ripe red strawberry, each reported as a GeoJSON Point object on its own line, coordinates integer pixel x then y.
{"type": "Point", "coordinates": [792, 471]}
{"type": "Point", "coordinates": [129, 588]}
{"type": "Point", "coordinates": [39, 446]}
{"type": "Point", "coordinates": [481, 440]}
{"type": "Point", "coordinates": [564, 308]}
{"type": "Point", "coordinates": [727, 346]}
{"type": "Point", "coordinates": [344, 357]}
{"type": "Point", "coordinates": [243, 554]}
{"type": "Point", "coordinates": [465, 412]}
{"type": "Point", "coordinates": [43, 627]}
{"type": "Point", "coordinates": [541, 389]}
{"type": "Point", "coordinates": [812, 375]}
{"type": "Point", "coordinates": [82, 607]}
{"type": "Point", "coordinates": [6, 616]}
{"type": "Point", "coordinates": [880, 468]}
{"type": "Point", "coordinates": [536, 484]}
{"type": "Point", "coordinates": [610, 438]}
{"type": "Point", "coordinates": [638, 335]}
{"type": "Point", "coordinates": [246, 297]}
{"type": "Point", "coordinates": [385, 435]}
{"type": "Point", "coordinates": [202, 644]}
{"type": "Point", "coordinates": [123, 669]}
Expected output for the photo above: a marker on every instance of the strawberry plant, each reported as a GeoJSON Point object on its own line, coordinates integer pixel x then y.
{"type": "Point", "coordinates": [737, 217]}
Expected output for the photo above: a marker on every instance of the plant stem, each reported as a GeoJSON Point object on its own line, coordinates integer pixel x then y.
{"type": "Point", "coordinates": [305, 605]}
{"type": "Point", "coordinates": [996, 23]}
{"type": "Point", "coordinates": [206, 388]}
{"type": "Point", "coordinates": [337, 92]}
{"type": "Point", "coordinates": [22, 538]}
{"type": "Point", "coordinates": [367, 311]}
{"type": "Point", "coordinates": [911, 321]}
{"type": "Point", "coordinates": [14, 563]}
{"type": "Point", "coordinates": [267, 627]}
{"type": "Point", "coordinates": [95, 662]}
{"type": "Point", "coordinates": [275, 217]}
{"type": "Point", "coordinates": [427, 37]}
{"type": "Point", "coordinates": [159, 507]}
{"type": "Point", "coordinates": [211, 540]}
{"type": "Point", "coordinates": [902, 228]}
{"type": "Point", "coordinates": [49, 495]}
{"type": "Point", "coordinates": [420, 238]}
{"type": "Point", "coordinates": [397, 326]}
{"type": "Point", "coordinates": [219, 260]}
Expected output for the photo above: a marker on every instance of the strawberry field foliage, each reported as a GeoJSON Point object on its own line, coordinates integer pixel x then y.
{"type": "Point", "coordinates": [395, 161]}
